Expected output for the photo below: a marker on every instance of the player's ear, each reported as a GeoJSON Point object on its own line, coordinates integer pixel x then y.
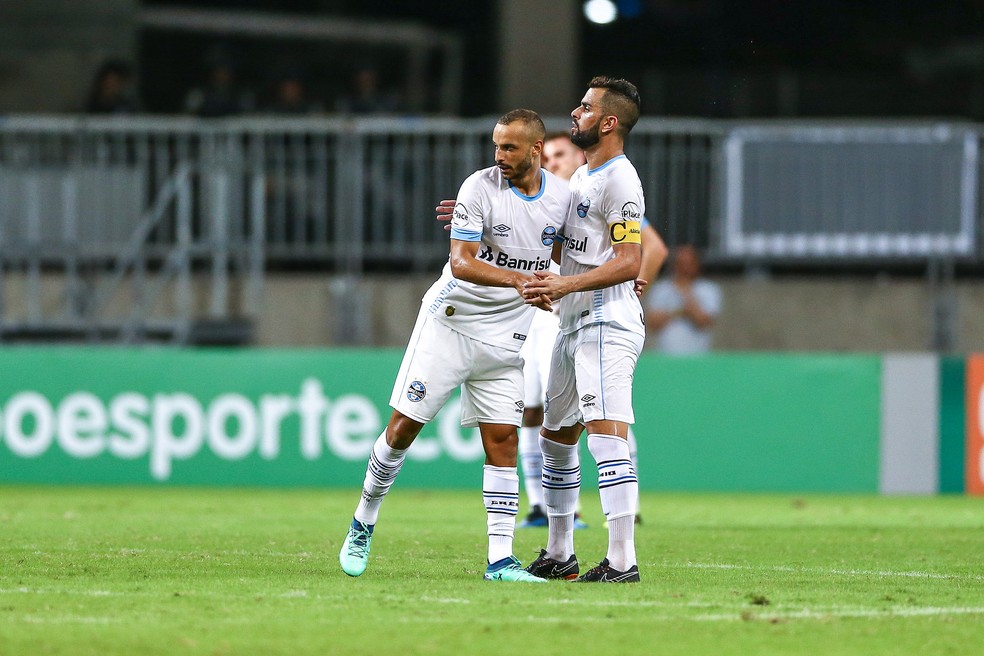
{"type": "Point", "coordinates": [537, 149]}
{"type": "Point", "coordinates": [609, 123]}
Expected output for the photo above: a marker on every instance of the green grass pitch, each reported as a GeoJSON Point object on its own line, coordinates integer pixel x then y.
{"type": "Point", "coordinates": [244, 571]}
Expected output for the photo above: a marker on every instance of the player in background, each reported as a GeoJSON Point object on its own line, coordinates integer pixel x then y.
{"type": "Point", "coordinates": [601, 337]}
{"type": "Point", "coordinates": [561, 157]}
{"type": "Point", "coordinates": [468, 333]}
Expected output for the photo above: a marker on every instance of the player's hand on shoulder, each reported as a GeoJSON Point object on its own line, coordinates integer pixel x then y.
{"type": "Point", "coordinates": [445, 209]}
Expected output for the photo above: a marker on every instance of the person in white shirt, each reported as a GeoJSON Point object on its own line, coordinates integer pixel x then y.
{"type": "Point", "coordinates": [601, 336]}
{"type": "Point", "coordinates": [682, 311]}
{"type": "Point", "coordinates": [471, 325]}
{"type": "Point", "coordinates": [562, 158]}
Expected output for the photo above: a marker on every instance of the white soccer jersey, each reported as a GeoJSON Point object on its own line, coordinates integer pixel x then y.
{"type": "Point", "coordinates": [604, 199]}
{"type": "Point", "coordinates": [516, 233]}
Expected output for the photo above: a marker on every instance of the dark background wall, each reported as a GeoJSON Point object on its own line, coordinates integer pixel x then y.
{"type": "Point", "coordinates": [715, 58]}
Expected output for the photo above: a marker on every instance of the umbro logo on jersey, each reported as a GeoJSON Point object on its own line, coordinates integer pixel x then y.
{"type": "Point", "coordinates": [520, 405]}
{"type": "Point", "coordinates": [520, 336]}
{"type": "Point", "coordinates": [501, 230]}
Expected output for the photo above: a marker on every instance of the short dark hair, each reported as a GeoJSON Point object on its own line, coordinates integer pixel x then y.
{"type": "Point", "coordinates": [529, 118]}
{"type": "Point", "coordinates": [621, 100]}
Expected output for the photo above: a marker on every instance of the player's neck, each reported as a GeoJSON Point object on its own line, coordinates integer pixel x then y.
{"type": "Point", "coordinates": [529, 185]}
{"type": "Point", "coordinates": [602, 152]}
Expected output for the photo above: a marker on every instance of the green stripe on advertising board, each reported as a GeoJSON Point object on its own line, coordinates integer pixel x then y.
{"type": "Point", "coordinates": [204, 417]}
{"type": "Point", "coordinates": [759, 422]}
{"type": "Point", "coordinates": [298, 417]}
{"type": "Point", "coordinates": [952, 423]}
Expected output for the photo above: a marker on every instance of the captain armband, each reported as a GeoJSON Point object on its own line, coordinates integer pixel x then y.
{"type": "Point", "coordinates": [625, 232]}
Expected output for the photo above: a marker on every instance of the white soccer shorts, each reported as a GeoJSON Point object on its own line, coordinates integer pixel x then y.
{"type": "Point", "coordinates": [591, 376]}
{"type": "Point", "coordinates": [536, 352]}
{"type": "Point", "coordinates": [439, 359]}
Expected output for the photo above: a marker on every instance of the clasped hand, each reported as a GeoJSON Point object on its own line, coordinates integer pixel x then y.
{"type": "Point", "coordinates": [544, 285]}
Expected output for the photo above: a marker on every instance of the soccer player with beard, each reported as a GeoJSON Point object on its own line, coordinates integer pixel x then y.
{"type": "Point", "coordinates": [562, 158]}
{"type": "Point", "coordinates": [601, 337]}
{"type": "Point", "coordinates": [471, 325]}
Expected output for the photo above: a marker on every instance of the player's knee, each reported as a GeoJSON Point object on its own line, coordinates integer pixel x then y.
{"type": "Point", "coordinates": [501, 444]}
{"type": "Point", "coordinates": [533, 416]}
{"type": "Point", "coordinates": [402, 431]}
{"type": "Point", "coordinates": [564, 435]}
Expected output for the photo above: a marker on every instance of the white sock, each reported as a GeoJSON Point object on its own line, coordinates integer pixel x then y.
{"type": "Point", "coordinates": [634, 457]}
{"type": "Point", "coordinates": [384, 465]}
{"type": "Point", "coordinates": [561, 484]}
{"type": "Point", "coordinates": [619, 489]}
{"type": "Point", "coordinates": [532, 461]}
{"type": "Point", "coordinates": [500, 492]}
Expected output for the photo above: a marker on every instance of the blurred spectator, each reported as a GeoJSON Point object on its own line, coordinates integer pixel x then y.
{"type": "Point", "coordinates": [366, 96]}
{"type": "Point", "coordinates": [682, 311]}
{"type": "Point", "coordinates": [221, 94]}
{"type": "Point", "coordinates": [290, 96]}
{"type": "Point", "coordinates": [113, 89]}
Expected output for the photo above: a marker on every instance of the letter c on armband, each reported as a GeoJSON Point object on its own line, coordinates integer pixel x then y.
{"type": "Point", "coordinates": [625, 232]}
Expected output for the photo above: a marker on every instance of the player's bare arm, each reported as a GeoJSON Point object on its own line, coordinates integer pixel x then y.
{"type": "Point", "coordinates": [466, 266]}
{"type": "Point", "coordinates": [654, 254]}
{"type": "Point", "coordinates": [558, 248]}
{"type": "Point", "coordinates": [623, 267]}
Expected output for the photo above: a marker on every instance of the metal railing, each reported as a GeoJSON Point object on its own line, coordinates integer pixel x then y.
{"type": "Point", "coordinates": [138, 207]}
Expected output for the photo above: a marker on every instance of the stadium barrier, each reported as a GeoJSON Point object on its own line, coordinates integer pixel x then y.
{"type": "Point", "coordinates": [891, 423]}
{"type": "Point", "coordinates": [131, 207]}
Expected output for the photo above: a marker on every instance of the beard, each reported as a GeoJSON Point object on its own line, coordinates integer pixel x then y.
{"type": "Point", "coordinates": [584, 139]}
{"type": "Point", "coordinates": [519, 170]}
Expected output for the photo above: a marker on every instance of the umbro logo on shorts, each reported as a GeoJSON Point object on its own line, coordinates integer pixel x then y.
{"type": "Point", "coordinates": [521, 337]}
{"type": "Point", "coordinates": [588, 400]}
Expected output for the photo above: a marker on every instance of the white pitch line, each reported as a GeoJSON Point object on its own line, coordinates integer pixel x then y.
{"type": "Point", "coordinates": [69, 619]}
{"type": "Point", "coordinates": [823, 570]}
{"type": "Point", "coordinates": [824, 613]}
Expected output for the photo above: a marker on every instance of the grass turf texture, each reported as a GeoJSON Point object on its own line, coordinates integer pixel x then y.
{"type": "Point", "coordinates": [193, 571]}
